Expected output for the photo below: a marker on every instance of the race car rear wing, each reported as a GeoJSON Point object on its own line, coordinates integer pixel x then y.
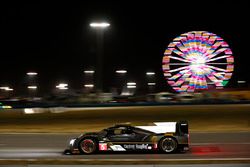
{"type": "Point", "coordinates": [167, 127]}
{"type": "Point", "coordinates": [160, 127]}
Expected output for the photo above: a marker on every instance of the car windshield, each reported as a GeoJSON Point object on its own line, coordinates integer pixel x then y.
{"type": "Point", "coordinates": [103, 132]}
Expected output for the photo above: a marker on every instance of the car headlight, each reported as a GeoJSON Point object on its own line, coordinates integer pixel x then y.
{"type": "Point", "coordinates": [72, 141]}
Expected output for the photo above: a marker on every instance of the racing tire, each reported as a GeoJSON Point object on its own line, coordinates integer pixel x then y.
{"type": "Point", "coordinates": [87, 146]}
{"type": "Point", "coordinates": [168, 145]}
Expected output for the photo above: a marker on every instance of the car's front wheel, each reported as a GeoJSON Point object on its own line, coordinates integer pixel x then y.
{"type": "Point", "coordinates": [168, 145]}
{"type": "Point", "coordinates": [87, 146]}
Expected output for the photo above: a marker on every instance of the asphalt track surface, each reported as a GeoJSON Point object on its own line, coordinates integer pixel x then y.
{"type": "Point", "coordinates": [203, 146]}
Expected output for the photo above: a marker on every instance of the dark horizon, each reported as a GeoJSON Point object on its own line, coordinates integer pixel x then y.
{"type": "Point", "coordinates": [55, 40]}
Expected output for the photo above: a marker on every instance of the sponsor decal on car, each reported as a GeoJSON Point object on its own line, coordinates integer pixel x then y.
{"type": "Point", "coordinates": [129, 146]}
{"type": "Point", "coordinates": [117, 148]}
{"type": "Point", "coordinates": [103, 146]}
{"type": "Point", "coordinates": [137, 146]}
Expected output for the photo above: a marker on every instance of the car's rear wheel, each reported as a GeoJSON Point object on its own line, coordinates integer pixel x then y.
{"type": "Point", "coordinates": [168, 145]}
{"type": "Point", "coordinates": [87, 146]}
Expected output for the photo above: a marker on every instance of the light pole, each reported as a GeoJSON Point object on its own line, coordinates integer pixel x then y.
{"type": "Point", "coordinates": [32, 82]}
{"type": "Point", "coordinates": [61, 89]}
{"type": "Point", "coordinates": [89, 76]}
{"type": "Point", "coordinates": [131, 88]}
{"type": "Point", "coordinates": [7, 90]}
{"type": "Point", "coordinates": [241, 83]}
{"type": "Point", "coordinates": [88, 80]}
{"type": "Point", "coordinates": [150, 81]}
{"type": "Point", "coordinates": [62, 86]}
{"type": "Point", "coordinates": [120, 80]}
{"type": "Point", "coordinates": [99, 27]}
{"type": "Point", "coordinates": [32, 90]}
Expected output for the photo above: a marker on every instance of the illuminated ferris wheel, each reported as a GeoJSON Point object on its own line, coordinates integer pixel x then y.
{"type": "Point", "coordinates": [197, 60]}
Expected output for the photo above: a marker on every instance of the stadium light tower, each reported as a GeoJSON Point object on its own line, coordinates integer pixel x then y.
{"type": "Point", "coordinates": [32, 87]}
{"type": "Point", "coordinates": [31, 81]}
{"type": "Point", "coordinates": [62, 86]}
{"type": "Point", "coordinates": [121, 71]}
{"type": "Point", "coordinates": [99, 27]}
{"type": "Point", "coordinates": [31, 73]}
{"type": "Point", "coordinates": [6, 88]}
{"type": "Point", "coordinates": [150, 76]}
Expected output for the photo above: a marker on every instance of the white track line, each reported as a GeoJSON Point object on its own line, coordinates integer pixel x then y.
{"type": "Point", "coordinates": [167, 160]}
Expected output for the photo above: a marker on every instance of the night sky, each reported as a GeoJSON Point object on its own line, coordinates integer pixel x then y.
{"type": "Point", "coordinates": [54, 38]}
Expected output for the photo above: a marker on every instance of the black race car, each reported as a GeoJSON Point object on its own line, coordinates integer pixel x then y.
{"type": "Point", "coordinates": [167, 137]}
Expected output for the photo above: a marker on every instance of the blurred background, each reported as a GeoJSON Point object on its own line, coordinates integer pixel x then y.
{"type": "Point", "coordinates": [57, 54]}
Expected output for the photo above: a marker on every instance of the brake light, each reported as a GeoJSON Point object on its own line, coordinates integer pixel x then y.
{"type": "Point", "coordinates": [155, 146]}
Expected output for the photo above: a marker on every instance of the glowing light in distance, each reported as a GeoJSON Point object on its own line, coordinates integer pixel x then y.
{"type": "Point", "coordinates": [32, 87]}
{"type": "Point", "coordinates": [29, 111]}
{"type": "Point", "coordinates": [6, 107]}
{"type": "Point", "coordinates": [131, 83]}
{"type": "Point", "coordinates": [131, 86]}
{"type": "Point", "coordinates": [6, 88]}
{"type": "Point", "coordinates": [126, 93]}
{"type": "Point", "coordinates": [241, 82]}
{"type": "Point", "coordinates": [34, 110]}
{"type": "Point", "coordinates": [31, 73]}
{"type": "Point", "coordinates": [62, 86]}
{"type": "Point", "coordinates": [150, 73]}
{"type": "Point", "coordinates": [99, 24]}
{"type": "Point", "coordinates": [88, 85]}
{"type": "Point", "coordinates": [121, 71]}
{"type": "Point", "coordinates": [89, 71]}
{"type": "Point", "coordinates": [151, 84]}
